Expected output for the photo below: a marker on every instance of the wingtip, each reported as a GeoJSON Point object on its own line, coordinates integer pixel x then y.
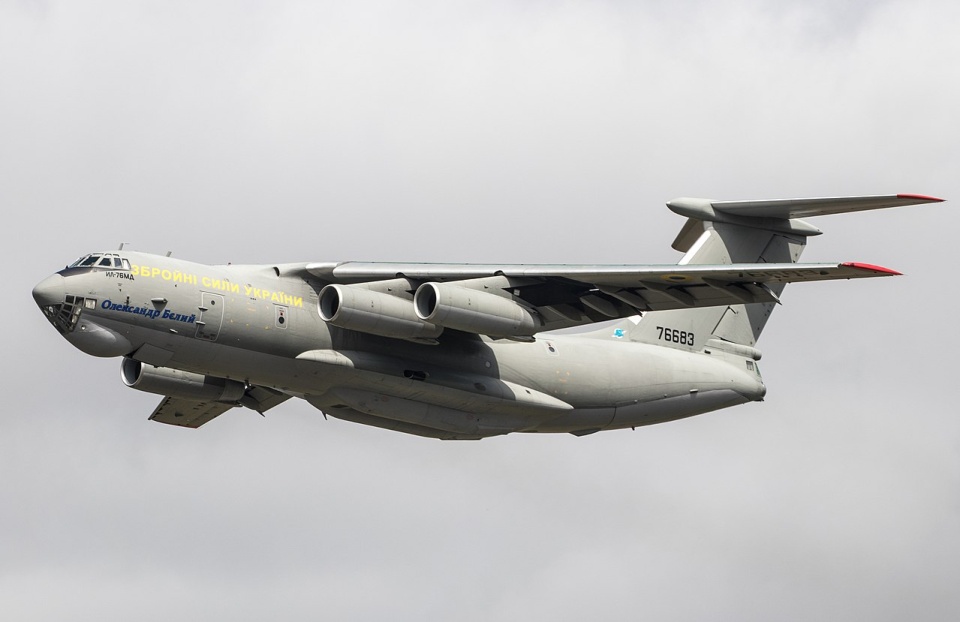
{"type": "Point", "coordinates": [867, 266]}
{"type": "Point", "coordinates": [922, 198]}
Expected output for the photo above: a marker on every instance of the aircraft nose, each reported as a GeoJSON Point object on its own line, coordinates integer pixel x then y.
{"type": "Point", "coordinates": [50, 291]}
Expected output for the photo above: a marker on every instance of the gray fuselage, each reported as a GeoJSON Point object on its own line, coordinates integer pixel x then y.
{"type": "Point", "coordinates": [260, 325]}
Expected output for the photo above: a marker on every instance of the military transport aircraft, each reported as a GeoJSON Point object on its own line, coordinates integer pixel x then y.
{"type": "Point", "coordinates": [457, 351]}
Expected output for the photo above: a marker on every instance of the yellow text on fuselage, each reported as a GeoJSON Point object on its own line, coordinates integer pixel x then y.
{"type": "Point", "coordinates": [213, 283]}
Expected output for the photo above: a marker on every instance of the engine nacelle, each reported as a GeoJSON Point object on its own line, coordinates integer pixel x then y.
{"type": "Point", "coordinates": [176, 383]}
{"type": "Point", "coordinates": [473, 311]}
{"type": "Point", "coordinates": [377, 313]}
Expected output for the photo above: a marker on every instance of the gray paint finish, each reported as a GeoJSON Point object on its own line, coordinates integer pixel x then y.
{"type": "Point", "coordinates": [213, 335]}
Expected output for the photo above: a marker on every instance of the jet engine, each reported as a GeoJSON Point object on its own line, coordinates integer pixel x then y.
{"type": "Point", "coordinates": [182, 384]}
{"type": "Point", "coordinates": [378, 313]}
{"type": "Point", "coordinates": [473, 311]}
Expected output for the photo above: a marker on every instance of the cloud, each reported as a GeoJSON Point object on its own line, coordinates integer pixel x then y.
{"type": "Point", "coordinates": [540, 131]}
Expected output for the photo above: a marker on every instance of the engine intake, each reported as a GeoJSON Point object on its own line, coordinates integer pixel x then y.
{"type": "Point", "coordinates": [377, 313]}
{"type": "Point", "coordinates": [176, 383]}
{"type": "Point", "coordinates": [473, 311]}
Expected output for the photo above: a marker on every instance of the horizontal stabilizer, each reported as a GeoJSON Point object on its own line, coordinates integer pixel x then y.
{"type": "Point", "coordinates": [768, 232]}
{"type": "Point", "coordinates": [781, 214]}
{"type": "Point", "coordinates": [806, 208]}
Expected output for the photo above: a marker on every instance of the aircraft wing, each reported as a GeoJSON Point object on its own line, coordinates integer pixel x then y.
{"type": "Point", "coordinates": [188, 413]}
{"type": "Point", "coordinates": [194, 413]}
{"type": "Point", "coordinates": [625, 275]}
{"type": "Point", "coordinates": [573, 295]}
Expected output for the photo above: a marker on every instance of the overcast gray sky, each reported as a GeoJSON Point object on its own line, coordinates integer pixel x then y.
{"type": "Point", "coordinates": [497, 132]}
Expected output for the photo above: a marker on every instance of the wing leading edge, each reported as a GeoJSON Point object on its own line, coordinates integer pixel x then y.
{"type": "Point", "coordinates": [418, 300]}
{"type": "Point", "coordinates": [625, 275]}
{"type": "Point", "coordinates": [564, 296]}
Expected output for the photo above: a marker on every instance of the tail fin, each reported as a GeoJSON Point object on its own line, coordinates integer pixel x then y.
{"type": "Point", "coordinates": [727, 232]}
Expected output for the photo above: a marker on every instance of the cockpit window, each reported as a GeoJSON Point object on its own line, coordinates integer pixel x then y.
{"type": "Point", "coordinates": [111, 261]}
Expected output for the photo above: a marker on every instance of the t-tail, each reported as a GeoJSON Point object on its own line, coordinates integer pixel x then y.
{"type": "Point", "coordinates": [744, 232]}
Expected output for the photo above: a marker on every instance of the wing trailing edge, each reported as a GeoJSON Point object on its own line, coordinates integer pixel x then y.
{"type": "Point", "coordinates": [736, 253]}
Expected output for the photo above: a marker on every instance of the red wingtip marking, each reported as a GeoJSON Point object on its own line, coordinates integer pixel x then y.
{"type": "Point", "coordinates": [868, 266]}
{"type": "Point", "coordinates": [920, 197]}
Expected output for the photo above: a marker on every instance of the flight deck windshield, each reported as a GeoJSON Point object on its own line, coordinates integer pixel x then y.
{"type": "Point", "coordinates": [109, 261]}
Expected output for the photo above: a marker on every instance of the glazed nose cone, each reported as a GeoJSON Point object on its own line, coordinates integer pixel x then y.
{"type": "Point", "coordinates": [50, 291]}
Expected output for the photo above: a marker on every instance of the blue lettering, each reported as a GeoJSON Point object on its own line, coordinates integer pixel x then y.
{"type": "Point", "coordinates": [147, 312]}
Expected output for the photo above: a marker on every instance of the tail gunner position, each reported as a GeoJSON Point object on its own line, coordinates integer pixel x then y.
{"type": "Point", "coordinates": [457, 351]}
